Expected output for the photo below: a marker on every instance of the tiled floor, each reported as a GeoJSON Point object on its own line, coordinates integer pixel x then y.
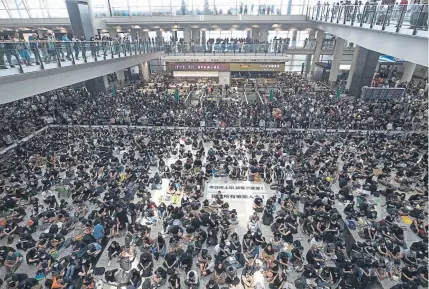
{"type": "Point", "coordinates": [244, 209]}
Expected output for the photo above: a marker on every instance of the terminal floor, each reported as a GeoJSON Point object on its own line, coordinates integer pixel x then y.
{"type": "Point", "coordinates": [244, 209]}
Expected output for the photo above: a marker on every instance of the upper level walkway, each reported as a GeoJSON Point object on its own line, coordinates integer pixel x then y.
{"type": "Point", "coordinates": [35, 71]}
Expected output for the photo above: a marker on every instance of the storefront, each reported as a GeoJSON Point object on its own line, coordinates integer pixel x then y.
{"type": "Point", "coordinates": [200, 72]}
{"type": "Point", "coordinates": [223, 73]}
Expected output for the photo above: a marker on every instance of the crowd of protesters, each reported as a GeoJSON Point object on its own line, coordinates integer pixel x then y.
{"type": "Point", "coordinates": [85, 206]}
{"type": "Point", "coordinates": [296, 103]}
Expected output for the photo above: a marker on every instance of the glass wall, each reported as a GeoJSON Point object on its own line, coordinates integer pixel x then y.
{"type": "Point", "coordinates": [32, 9]}
{"type": "Point", "coordinates": [298, 42]}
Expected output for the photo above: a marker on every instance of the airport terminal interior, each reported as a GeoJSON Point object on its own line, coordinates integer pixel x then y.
{"type": "Point", "coordinates": [213, 144]}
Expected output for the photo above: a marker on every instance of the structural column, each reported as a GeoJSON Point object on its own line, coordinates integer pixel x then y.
{"type": "Point", "coordinates": [144, 70]}
{"type": "Point", "coordinates": [308, 57]}
{"type": "Point", "coordinates": [145, 35]}
{"type": "Point", "coordinates": [294, 37]}
{"type": "Point", "coordinates": [134, 34]}
{"type": "Point", "coordinates": [112, 32]}
{"type": "Point", "coordinates": [196, 35]}
{"type": "Point", "coordinates": [408, 72]}
{"type": "Point", "coordinates": [255, 33]}
{"type": "Point", "coordinates": [187, 35]}
{"type": "Point", "coordinates": [336, 61]}
{"type": "Point", "coordinates": [159, 37]}
{"type": "Point", "coordinates": [263, 35]}
{"type": "Point", "coordinates": [121, 75]}
{"type": "Point", "coordinates": [317, 51]}
{"type": "Point", "coordinates": [80, 18]}
{"type": "Point", "coordinates": [97, 85]}
{"type": "Point", "coordinates": [362, 69]}
{"type": "Point", "coordinates": [203, 37]}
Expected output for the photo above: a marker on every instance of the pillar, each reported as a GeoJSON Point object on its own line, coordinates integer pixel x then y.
{"type": "Point", "coordinates": [294, 37]}
{"type": "Point", "coordinates": [263, 35]}
{"type": "Point", "coordinates": [145, 70]}
{"type": "Point", "coordinates": [113, 32]}
{"type": "Point", "coordinates": [317, 51]}
{"type": "Point", "coordinates": [307, 63]}
{"type": "Point", "coordinates": [80, 18]}
{"type": "Point", "coordinates": [249, 34]}
{"type": "Point", "coordinates": [362, 69]}
{"type": "Point", "coordinates": [255, 33]}
{"type": "Point", "coordinates": [187, 35]}
{"type": "Point", "coordinates": [145, 35]}
{"type": "Point", "coordinates": [203, 37]}
{"type": "Point", "coordinates": [336, 61]}
{"type": "Point", "coordinates": [121, 75]}
{"type": "Point", "coordinates": [408, 72]}
{"type": "Point", "coordinates": [134, 34]}
{"type": "Point", "coordinates": [159, 36]}
{"type": "Point", "coordinates": [97, 85]}
{"type": "Point", "coordinates": [196, 35]}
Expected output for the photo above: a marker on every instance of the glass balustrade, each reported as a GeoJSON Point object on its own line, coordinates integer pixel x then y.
{"type": "Point", "coordinates": [391, 17]}
{"type": "Point", "coordinates": [23, 57]}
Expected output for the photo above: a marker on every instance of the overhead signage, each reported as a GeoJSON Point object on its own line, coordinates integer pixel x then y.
{"type": "Point", "coordinates": [202, 66]}
{"type": "Point", "coordinates": [228, 59]}
{"type": "Point", "coordinates": [277, 67]}
{"type": "Point", "coordinates": [379, 93]}
{"type": "Point", "coordinates": [236, 191]}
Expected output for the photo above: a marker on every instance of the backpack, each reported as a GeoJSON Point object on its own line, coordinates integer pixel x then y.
{"type": "Point", "coordinates": [99, 271]}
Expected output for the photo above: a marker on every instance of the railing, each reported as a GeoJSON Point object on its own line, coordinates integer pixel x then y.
{"type": "Point", "coordinates": [396, 16]}
{"type": "Point", "coordinates": [235, 8]}
{"type": "Point", "coordinates": [22, 57]}
{"type": "Point", "coordinates": [272, 48]}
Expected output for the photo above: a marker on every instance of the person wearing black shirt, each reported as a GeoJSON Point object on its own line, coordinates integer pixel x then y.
{"type": "Point", "coordinates": [408, 273]}
{"type": "Point", "coordinates": [174, 281]}
{"type": "Point", "coordinates": [170, 261]}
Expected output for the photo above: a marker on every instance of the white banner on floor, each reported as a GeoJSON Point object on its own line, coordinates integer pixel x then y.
{"type": "Point", "coordinates": [236, 191]}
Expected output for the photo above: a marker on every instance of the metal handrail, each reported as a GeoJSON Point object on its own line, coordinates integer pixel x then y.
{"type": "Point", "coordinates": [414, 16]}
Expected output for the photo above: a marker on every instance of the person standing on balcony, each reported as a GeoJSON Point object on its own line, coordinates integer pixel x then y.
{"type": "Point", "coordinates": [66, 41]}
{"type": "Point", "coordinates": [34, 46]}
{"type": "Point", "coordinates": [245, 9]}
{"type": "Point", "coordinates": [22, 48]}
{"type": "Point", "coordinates": [75, 41]}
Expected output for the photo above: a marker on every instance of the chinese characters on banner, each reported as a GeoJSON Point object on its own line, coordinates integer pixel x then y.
{"type": "Point", "coordinates": [238, 191]}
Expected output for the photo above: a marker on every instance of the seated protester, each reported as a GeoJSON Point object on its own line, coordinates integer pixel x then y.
{"type": "Point", "coordinates": [397, 234]}
{"type": "Point", "coordinates": [310, 275]}
{"type": "Point", "coordinates": [370, 233]}
{"type": "Point", "coordinates": [208, 267]}
{"type": "Point", "coordinates": [12, 261]}
{"type": "Point", "coordinates": [146, 264]}
{"type": "Point", "coordinates": [314, 257]}
{"type": "Point", "coordinates": [422, 275]}
{"type": "Point", "coordinates": [58, 282]}
{"type": "Point", "coordinates": [382, 249]}
{"type": "Point", "coordinates": [408, 273]}
{"type": "Point", "coordinates": [277, 278]}
{"type": "Point", "coordinates": [258, 239]}
{"type": "Point", "coordinates": [174, 281]}
{"type": "Point", "coordinates": [192, 280]}
{"type": "Point", "coordinates": [410, 257]}
{"type": "Point", "coordinates": [135, 280]}
{"type": "Point", "coordinates": [421, 249]}
{"type": "Point", "coordinates": [57, 241]}
{"type": "Point", "coordinates": [88, 283]}
{"type": "Point", "coordinates": [25, 242]}
{"type": "Point", "coordinates": [98, 232]}
{"type": "Point", "coordinates": [126, 257]}
{"type": "Point", "coordinates": [185, 259]}
{"type": "Point", "coordinates": [418, 227]}
{"type": "Point", "coordinates": [219, 274]}
{"type": "Point", "coordinates": [113, 251]}
{"type": "Point", "coordinates": [16, 279]}
{"type": "Point", "coordinates": [86, 269]}
{"type": "Point", "coordinates": [171, 261]}
{"type": "Point", "coordinates": [93, 250]}
{"type": "Point", "coordinates": [57, 269]}
{"type": "Point", "coordinates": [268, 254]}
{"type": "Point", "coordinates": [247, 279]}
{"type": "Point", "coordinates": [159, 277]}
{"type": "Point", "coordinates": [235, 242]}
{"type": "Point", "coordinates": [159, 248]}
{"type": "Point", "coordinates": [258, 204]}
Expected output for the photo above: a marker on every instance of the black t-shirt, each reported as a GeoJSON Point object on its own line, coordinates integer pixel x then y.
{"type": "Point", "coordinates": [170, 258]}
{"type": "Point", "coordinates": [410, 274]}
{"type": "Point", "coordinates": [28, 283]}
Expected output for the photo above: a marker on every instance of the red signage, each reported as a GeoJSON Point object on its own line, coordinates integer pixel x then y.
{"type": "Point", "coordinates": [182, 66]}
